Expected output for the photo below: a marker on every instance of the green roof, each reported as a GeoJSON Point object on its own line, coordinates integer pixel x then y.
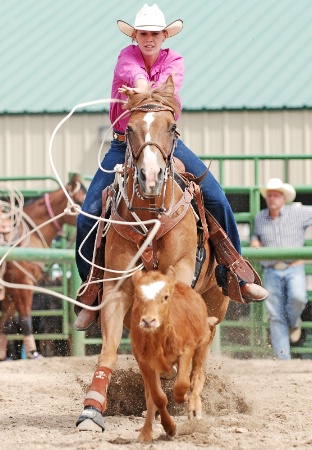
{"type": "Point", "coordinates": [251, 54]}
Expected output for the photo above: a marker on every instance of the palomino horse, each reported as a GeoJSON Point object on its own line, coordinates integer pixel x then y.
{"type": "Point", "coordinates": [36, 213]}
{"type": "Point", "coordinates": [148, 192]}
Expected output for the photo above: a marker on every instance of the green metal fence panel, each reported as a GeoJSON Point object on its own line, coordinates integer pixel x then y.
{"type": "Point", "coordinates": [256, 321]}
{"type": "Point", "coordinates": [252, 324]}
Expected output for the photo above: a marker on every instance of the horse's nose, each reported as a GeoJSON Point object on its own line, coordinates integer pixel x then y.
{"type": "Point", "coordinates": [151, 177]}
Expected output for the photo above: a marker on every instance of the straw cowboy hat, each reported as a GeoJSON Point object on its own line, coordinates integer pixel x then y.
{"type": "Point", "coordinates": [275, 184]}
{"type": "Point", "coordinates": [150, 18]}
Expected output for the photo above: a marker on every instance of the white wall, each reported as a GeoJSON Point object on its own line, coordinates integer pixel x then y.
{"type": "Point", "coordinates": [24, 143]}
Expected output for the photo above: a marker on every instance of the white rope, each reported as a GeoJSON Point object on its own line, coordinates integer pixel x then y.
{"type": "Point", "coordinates": [156, 225]}
{"type": "Point", "coordinates": [25, 272]}
{"type": "Point", "coordinates": [35, 230]}
{"type": "Point", "coordinates": [80, 105]}
{"type": "Point", "coordinates": [11, 213]}
{"type": "Point", "coordinates": [75, 209]}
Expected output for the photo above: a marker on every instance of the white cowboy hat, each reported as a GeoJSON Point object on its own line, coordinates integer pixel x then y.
{"type": "Point", "coordinates": [150, 18]}
{"type": "Point", "coordinates": [275, 184]}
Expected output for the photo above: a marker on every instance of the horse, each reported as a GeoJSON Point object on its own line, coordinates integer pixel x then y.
{"type": "Point", "coordinates": [35, 213]}
{"type": "Point", "coordinates": [148, 191]}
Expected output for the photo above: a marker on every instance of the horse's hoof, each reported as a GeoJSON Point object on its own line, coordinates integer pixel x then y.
{"type": "Point", "coordinates": [91, 419]}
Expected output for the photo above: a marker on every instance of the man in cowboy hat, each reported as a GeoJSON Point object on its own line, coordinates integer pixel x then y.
{"type": "Point", "coordinates": [283, 224]}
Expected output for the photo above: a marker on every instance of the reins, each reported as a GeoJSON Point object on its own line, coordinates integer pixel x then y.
{"type": "Point", "coordinates": [55, 222]}
{"type": "Point", "coordinates": [48, 205]}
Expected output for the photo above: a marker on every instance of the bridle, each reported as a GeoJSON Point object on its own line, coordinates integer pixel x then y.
{"type": "Point", "coordinates": [49, 206]}
{"type": "Point", "coordinates": [133, 154]}
{"type": "Point", "coordinates": [151, 107]}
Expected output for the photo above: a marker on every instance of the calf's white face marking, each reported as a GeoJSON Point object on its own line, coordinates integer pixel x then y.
{"type": "Point", "coordinates": [150, 291]}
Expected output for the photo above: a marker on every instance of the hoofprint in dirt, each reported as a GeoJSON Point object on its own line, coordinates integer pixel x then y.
{"type": "Point", "coordinates": [251, 404]}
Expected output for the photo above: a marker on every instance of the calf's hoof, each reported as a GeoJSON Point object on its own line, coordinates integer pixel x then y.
{"type": "Point", "coordinates": [145, 437]}
{"type": "Point", "coordinates": [195, 415]}
{"type": "Point", "coordinates": [169, 375]}
{"type": "Point", "coordinates": [90, 419]}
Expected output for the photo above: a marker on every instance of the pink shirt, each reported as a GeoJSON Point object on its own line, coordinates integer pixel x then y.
{"type": "Point", "coordinates": [130, 67]}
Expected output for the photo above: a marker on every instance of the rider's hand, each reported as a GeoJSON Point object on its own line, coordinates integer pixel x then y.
{"type": "Point", "coordinates": [129, 90]}
{"type": "Point", "coordinates": [141, 86]}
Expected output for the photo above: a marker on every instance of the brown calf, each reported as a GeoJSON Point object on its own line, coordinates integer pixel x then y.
{"type": "Point", "coordinates": [169, 326]}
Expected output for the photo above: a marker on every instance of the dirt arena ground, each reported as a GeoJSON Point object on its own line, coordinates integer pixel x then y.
{"type": "Point", "coordinates": [249, 404]}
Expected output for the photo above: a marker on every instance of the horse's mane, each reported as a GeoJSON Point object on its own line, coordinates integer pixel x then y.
{"type": "Point", "coordinates": [164, 94]}
{"type": "Point", "coordinates": [32, 200]}
{"type": "Point", "coordinates": [29, 201]}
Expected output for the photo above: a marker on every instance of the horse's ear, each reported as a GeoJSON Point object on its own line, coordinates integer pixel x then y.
{"type": "Point", "coordinates": [170, 84]}
{"type": "Point", "coordinates": [74, 178]}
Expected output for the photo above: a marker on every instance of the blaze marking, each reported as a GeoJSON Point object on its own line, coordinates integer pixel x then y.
{"type": "Point", "coordinates": [151, 290]}
{"type": "Point", "coordinates": [149, 119]}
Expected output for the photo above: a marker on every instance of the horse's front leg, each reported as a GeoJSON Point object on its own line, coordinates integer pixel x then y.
{"type": "Point", "coordinates": [7, 311]}
{"type": "Point", "coordinates": [112, 317]}
{"type": "Point", "coordinates": [23, 299]}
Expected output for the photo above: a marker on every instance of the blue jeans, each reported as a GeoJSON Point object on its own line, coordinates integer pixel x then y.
{"type": "Point", "coordinates": [285, 304]}
{"type": "Point", "coordinates": [214, 199]}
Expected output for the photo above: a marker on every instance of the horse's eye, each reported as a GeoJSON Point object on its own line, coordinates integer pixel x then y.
{"type": "Point", "coordinates": [173, 128]}
{"type": "Point", "coordinates": [129, 129]}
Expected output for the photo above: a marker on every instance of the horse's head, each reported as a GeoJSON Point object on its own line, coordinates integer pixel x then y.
{"type": "Point", "coordinates": [151, 136]}
{"type": "Point", "coordinates": [77, 192]}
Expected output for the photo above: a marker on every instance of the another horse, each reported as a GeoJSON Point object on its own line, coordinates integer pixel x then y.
{"type": "Point", "coordinates": [35, 213]}
{"type": "Point", "coordinates": [148, 192]}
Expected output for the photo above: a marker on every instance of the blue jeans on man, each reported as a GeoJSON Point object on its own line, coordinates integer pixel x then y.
{"type": "Point", "coordinates": [285, 304]}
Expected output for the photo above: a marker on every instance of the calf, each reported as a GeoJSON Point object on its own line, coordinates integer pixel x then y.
{"type": "Point", "coordinates": [169, 326]}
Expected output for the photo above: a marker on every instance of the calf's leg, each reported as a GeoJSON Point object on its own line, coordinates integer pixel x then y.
{"type": "Point", "coordinates": [182, 383]}
{"type": "Point", "coordinates": [197, 380]}
{"type": "Point", "coordinates": [159, 400]}
{"type": "Point", "coordinates": [146, 434]}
